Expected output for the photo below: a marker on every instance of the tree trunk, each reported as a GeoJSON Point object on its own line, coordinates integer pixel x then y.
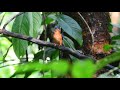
{"type": "Point", "coordinates": [95, 32]}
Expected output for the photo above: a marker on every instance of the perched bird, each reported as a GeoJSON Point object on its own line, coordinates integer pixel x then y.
{"type": "Point", "coordinates": [57, 36]}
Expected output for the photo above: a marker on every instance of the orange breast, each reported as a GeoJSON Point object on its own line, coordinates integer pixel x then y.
{"type": "Point", "coordinates": [57, 37]}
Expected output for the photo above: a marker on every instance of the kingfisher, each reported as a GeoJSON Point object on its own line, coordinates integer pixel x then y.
{"type": "Point", "coordinates": [57, 36]}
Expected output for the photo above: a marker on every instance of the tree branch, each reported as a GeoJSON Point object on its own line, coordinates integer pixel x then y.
{"type": "Point", "coordinates": [43, 43]}
{"type": "Point", "coordinates": [12, 19]}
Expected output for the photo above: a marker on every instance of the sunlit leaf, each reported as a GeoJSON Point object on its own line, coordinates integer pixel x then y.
{"type": "Point", "coordinates": [27, 24]}
{"type": "Point", "coordinates": [35, 20]}
{"type": "Point", "coordinates": [21, 26]}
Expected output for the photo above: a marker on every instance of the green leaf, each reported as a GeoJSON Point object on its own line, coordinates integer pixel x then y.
{"type": "Point", "coordinates": [20, 25]}
{"type": "Point", "coordinates": [71, 27]}
{"type": "Point", "coordinates": [83, 69]}
{"type": "Point", "coordinates": [35, 20]}
{"type": "Point", "coordinates": [26, 24]}
{"type": "Point", "coordinates": [68, 42]}
{"type": "Point", "coordinates": [20, 47]}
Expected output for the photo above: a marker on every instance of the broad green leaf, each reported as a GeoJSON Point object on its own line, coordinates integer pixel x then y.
{"type": "Point", "coordinates": [20, 47]}
{"type": "Point", "coordinates": [27, 24]}
{"type": "Point", "coordinates": [21, 26]}
{"type": "Point", "coordinates": [35, 20]}
{"type": "Point", "coordinates": [68, 42]}
{"type": "Point", "coordinates": [71, 27]}
{"type": "Point", "coordinates": [83, 69]}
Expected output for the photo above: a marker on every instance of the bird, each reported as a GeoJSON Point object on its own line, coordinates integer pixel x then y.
{"type": "Point", "coordinates": [57, 36]}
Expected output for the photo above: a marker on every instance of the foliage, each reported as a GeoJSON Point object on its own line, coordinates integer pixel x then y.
{"type": "Point", "coordinates": [45, 62]}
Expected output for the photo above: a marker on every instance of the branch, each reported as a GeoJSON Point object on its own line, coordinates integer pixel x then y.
{"type": "Point", "coordinates": [75, 53]}
{"type": "Point", "coordinates": [7, 52]}
{"type": "Point", "coordinates": [12, 19]}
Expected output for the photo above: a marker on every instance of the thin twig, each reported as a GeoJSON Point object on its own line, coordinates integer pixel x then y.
{"type": "Point", "coordinates": [12, 19]}
{"type": "Point", "coordinates": [87, 26]}
{"type": "Point", "coordinates": [7, 52]}
{"type": "Point", "coordinates": [44, 43]}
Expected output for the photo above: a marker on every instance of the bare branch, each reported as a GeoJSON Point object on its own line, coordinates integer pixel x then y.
{"type": "Point", "coordinates": [43, 43]}
{"type": "Point", "coordinates": [12, 19]}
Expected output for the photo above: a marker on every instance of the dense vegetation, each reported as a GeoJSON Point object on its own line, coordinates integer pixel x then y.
{"type": "Point", "coordinates": [26, 49]}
